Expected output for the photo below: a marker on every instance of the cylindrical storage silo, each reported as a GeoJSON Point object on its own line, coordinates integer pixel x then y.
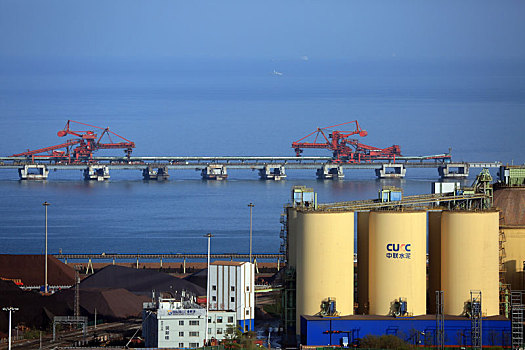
{"type": "Point", "coordinates": [291, 234]}
{"type": "Point", "coordinates": [470, 260]}
{"type": "Point", "coordinates": [434, 258]}
{"type": "Point", "coordinates": [325, 262]}
{"type": "Point", "coordinates": [397, 268]}
{"type": "Point", "coordinates": [362, 262]}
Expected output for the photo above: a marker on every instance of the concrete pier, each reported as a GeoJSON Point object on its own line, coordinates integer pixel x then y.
{"type": "Point", "coordinates": [330, 172]}
{"type": "Point", "coordinates": [96, 173]}
{"type": "Point", "coordinates": [272, 172]}
{"type": "Point", "coordinates": [391, 170]}
{"type": "Point", "coordinates": [454, 171]}
{"type": "Point", "coordinates": [214, 172]}
{"type": "Point", "coordinates": [33, 172]}
{"type": "Point", "coordinates": [153, 173]}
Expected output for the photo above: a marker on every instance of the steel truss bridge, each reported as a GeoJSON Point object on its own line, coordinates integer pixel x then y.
{"type": "Point", "coordinates": [215, 168]}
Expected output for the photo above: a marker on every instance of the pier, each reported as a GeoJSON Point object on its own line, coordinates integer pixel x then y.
{"type": "Point", "coordinates": [216, 168]}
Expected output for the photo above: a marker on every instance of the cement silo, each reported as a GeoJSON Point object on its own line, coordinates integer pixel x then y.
{"type": "Point", "coordinates": [325, 262]}
{"type": "Point", "coordinates": [362, 262]}
{"type": "Point", "coordinates": [470, 260]}
{"type": "Point", "coordinates": [434, 258]}
{"type": "Point", "coordinates": [397, 252]}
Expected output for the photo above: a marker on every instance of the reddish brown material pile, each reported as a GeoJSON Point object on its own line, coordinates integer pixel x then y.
{"type": "Point", "coordinates": [511, 201]}
{"type": "Point", "coordinates": [30, 269]}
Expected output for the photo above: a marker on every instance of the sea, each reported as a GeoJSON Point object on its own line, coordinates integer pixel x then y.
{"type": "Point", "coordinates": [207, 107]}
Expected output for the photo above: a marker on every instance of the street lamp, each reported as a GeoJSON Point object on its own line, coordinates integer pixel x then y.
{"type": "Point", "coordinates": [251, 205]}
{"type": "Point", "coordinates": [10, 309]}
{"type": "Point", "coordinates": [45, 204]}
{"type": "Point", "coordinates": [209, 235]}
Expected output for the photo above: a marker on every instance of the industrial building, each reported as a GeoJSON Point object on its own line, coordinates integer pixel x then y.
{"type": "Point", "coordinates": [232, 289]}
{"type": "Point", "coordinates": [429, 269]}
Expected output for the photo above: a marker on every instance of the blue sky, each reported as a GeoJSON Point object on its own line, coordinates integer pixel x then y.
{"type": "Point", "coordinates": [347, 30]}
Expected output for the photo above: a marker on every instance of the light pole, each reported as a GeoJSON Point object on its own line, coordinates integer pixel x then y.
{"type": "Point", "coordinates": [251, 205]}
{"type": "Point", "coordinates": [209, 235]}
{"type": "Point", "coordinates": [10, 309]}
{"type": "Point", "coordinates": [45, 204]}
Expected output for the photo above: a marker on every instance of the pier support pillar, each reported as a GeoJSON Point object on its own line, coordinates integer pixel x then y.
{"type": "Point", "coordinates": [96, 173]}
{"type": "Point", "coordinates": [214, 172]}
{"type": "Point", "coordinates": [454, 171]}
{"type": "Point", "coordinates": [330, 172]}
{"type": "Point", "coordinates": [153, 173]}
{"type": "Point", "coordinates": [391, 170]}
{"type": "Point", "coordinates": [272, 172]}
{"type": "Point", "coordinates": [161, 262]}
{"type": "Point", "coordinates": [33, 172]}
{"type": "Point", "coordinates": [184, 265]}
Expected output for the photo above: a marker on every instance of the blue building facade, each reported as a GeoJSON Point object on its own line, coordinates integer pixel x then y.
{"type": "Point", "coordinates": [419, 330]}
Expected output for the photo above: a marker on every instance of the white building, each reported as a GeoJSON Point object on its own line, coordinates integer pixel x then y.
{"type": "Point", "coordinates": [232, 289]}
{"type": "Point", "coordinates": [172, 323]}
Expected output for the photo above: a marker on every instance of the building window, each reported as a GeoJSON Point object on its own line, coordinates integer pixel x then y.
{"type": "Point", "coordinates": [181, 345]}
{"type": "Point", "coordinates": [167, 328]}
{"type": "Point", "coordinates": [167, 337]}
{"type": "Point", "coordinates": [181, 323]}
{"type": "Point", "coordinates": [232, 288]}
{"type": "Point", "coordinates": [232, 299]}
{"type": "Point", "coordinates": [214, 298]}
{"type": "Point", "coordinates": [247, 289]}
{"type": "Point", "coordinates": [209, 319]}
{"type": "Point", "coordinates": [181, 334]}
{"type": "Point", "coordinates": [219, 319]}
{"type": "Point", "coordinates": [194, 323]}
{"type": "Point", "coordinates": [247, 312]}
{"type": "Point", "coordinates": [229, 330]}
{"type": "Point", "coordinates": [219, 330]}
{"type": "Point", "coordinates": [213, 287]}
{"type": "Point", "coordinates": [209, 330]}
{"type": "Point", "coordinates": [194, 334]}
{"type": "Point", "coordinates": [167, 332]}
{"type": "Point", "coordinates": [194, 345]}
{"type": "Point", "coordinates": [230, 319]}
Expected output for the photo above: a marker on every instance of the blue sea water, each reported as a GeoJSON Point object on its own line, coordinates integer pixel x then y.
{"type": "Point", "coordinates": [233, 108]}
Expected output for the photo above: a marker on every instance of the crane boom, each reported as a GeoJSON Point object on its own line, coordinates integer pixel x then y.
{"type": "Point", "coordinates": [86, 143]}
{"type": "Point", "coordinates": [345, 150]}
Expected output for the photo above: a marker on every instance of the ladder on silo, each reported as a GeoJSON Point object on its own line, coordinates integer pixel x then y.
{"type": "Point", "coordinates": [440, 321]}
{"type": "Point", "coordinates": [476, 319]}
{"type": "Point", "coordinates": [516, 314]}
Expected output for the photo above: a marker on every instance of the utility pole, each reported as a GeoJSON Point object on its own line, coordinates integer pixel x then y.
{"type": "Point", "coordinates": [45, 204]}
{"type": "Point", "coordinates": [10, 309]}
{"type": "Point", "coordinates": [209, 236]}
{"type": "Point", "coordinates": [251, 205]}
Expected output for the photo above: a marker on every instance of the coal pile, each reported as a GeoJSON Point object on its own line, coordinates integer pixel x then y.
{"type": "Point", "coordinates": [137, 281]}
{"type": "Point", "coordinates": [110, 304]}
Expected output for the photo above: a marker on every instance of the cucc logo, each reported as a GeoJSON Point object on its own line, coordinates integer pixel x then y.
{"type": "Point", "coordinates": [396, 247]}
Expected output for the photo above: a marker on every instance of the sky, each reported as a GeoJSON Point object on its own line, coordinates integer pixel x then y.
{"type": "Point", "coordinates": [343, 30]}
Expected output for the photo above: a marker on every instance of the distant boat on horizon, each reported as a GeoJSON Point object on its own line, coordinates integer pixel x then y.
{"type": "Point", "coordinates": [277, 73]}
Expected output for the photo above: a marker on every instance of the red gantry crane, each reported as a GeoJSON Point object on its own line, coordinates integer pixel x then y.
{"type": "Point", "coordinates": [346, 150]}
{"type": "Point", "coordinates": [80, 149]}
